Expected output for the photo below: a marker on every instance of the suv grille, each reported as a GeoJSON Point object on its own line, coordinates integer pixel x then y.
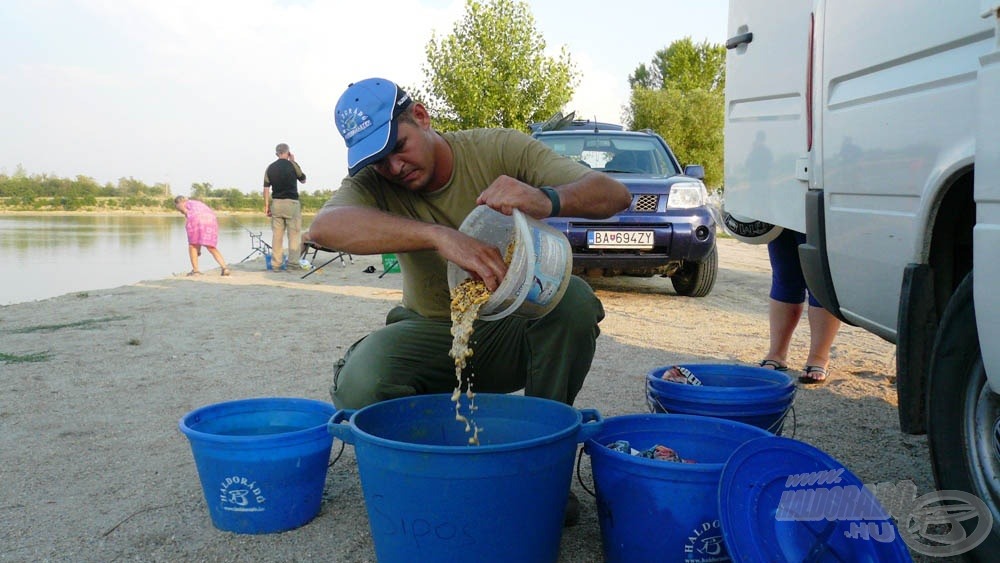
{"type": "Point", "coordinates": [645, 203]}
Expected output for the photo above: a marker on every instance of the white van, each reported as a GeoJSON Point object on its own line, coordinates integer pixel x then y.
{"type": "Point", "coordinates": [873, 126]}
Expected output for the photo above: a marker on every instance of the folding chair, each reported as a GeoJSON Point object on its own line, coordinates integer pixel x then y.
{"type": "Point", "coordinates": [308, 247]}
{"type": "Point", "coordinates": [258, 244]}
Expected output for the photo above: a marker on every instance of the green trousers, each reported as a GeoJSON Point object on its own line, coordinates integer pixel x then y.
{"type": "Point", "coordinates": [547, 357]}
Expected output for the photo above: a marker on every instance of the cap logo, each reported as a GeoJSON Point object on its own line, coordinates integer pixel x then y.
{"type": "Point", "coordinates": [352, 121]}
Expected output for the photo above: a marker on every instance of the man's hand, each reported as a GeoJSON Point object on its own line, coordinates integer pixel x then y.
{"type": "Point", "coordinates": [481, 260]}
{"type": "Point", "coordinates": [506, 194]}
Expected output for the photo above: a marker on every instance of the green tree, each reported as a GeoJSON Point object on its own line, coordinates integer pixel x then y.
{"type": "Point", "coordinates": [680, 95]}
{"type": "Point", "coordinates": [201, 190]}
{"type": "Point", "coordinates": [132, 187]}
{"type": "Point", "coordinates": [686, 65]}
{"type": "Point", "coordinates": [492, 71]}
{"type": "Point", "coordinates": [87, 185]}
{"type": "Point", "coordinates": [691, 122]}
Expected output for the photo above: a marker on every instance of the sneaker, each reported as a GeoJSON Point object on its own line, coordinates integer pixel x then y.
{"type": "Point", "coordinates": [304, 264]}
{"type": "Point", "coordinates": [572, 515]}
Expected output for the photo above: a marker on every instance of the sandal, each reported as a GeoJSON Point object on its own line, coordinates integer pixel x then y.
{"type": "Point", "coordinates": [814, 375]}
{"type": "Point", "coordinates": [772, 364]}
{"type": "Point", "coordinates": [226, 272]}
{"type": "Point", "coordinates": [194, 273]}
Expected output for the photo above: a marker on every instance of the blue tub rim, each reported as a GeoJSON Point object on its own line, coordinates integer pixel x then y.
{"type": "Point", "coordinates": [655, 464]}
{"type": "Point", "coordinates": [285, 438]}
{"type": "Point", "coordinates": [588, 423]}
{"type": "Point", "coordinates": [769, 378]}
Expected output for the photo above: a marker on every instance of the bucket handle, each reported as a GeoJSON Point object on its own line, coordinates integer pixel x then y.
{"type": "Point", "coordinates": [338, 430]}
{"type": "Point", "coordinates": [784, 417]}
{"type": "Point", "coordinates": [579, 476]}
{"type": "Point", "coordinates": [591, 425]}
{"type": "Point", "coordinates": [654, 402]}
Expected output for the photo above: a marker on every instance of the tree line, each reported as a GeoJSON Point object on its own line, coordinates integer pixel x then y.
{"type": "Point", "coordinates": [45, 192]}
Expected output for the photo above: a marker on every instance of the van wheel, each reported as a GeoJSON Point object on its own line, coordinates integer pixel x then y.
{"type": "Point", "coordinates": [963, 419]}
{"type": "Point", "coordinates": [696, 279]}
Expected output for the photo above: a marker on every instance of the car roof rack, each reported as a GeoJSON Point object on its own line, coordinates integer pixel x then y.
{"type": "Point", "coordinates": [554, 123]}
{"type": "Point", "coordinates": [559, 122]}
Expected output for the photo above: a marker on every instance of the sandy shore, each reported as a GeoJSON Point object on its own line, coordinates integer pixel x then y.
{"type": "Point", "coordinates": [94, 467]}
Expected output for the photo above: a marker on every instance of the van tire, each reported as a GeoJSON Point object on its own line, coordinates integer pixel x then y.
{"type": "Point", "coordinates": [963, 415]}
{"type": "Point", "coordinates": [696, 279]}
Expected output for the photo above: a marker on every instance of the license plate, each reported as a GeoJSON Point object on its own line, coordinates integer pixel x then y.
{"type": "Point", "coordinates": [620, 239]}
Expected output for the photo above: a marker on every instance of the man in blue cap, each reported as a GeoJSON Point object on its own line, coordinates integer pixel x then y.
{"type": "Point", "coordinates": [408, 190]}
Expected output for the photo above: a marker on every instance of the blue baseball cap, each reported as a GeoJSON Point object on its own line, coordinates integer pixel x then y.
{"type": "Point", "coordinates": [366, 117]}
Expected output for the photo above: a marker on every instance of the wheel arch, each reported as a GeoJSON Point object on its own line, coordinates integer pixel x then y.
{"type": "Point", "coordinates": [928, 285]}
{"type": "Point", "coordinates": [949, 248]}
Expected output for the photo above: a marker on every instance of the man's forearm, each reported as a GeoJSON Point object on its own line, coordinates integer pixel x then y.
{"type": "Point", "coordinates": [364, 230]}
{"type": "Point", "coordinates": [595, 196]}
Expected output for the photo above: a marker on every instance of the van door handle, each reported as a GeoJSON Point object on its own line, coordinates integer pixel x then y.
{"type": "Point", "coordinates": [737, 40]}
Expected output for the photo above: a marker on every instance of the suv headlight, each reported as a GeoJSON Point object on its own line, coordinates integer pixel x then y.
{"type": "Point", "coordinates": [685, 195]}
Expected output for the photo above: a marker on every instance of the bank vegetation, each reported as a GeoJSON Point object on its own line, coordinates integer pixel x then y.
{"type": "Point", "coordinates": [45, 192]}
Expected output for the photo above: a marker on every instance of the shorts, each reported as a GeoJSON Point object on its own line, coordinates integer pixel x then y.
{"type": "Point", "coordinates": [788, 285]}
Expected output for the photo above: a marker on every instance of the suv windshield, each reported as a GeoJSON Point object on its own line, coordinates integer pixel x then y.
{"type": "Point", "coordinates": [614, 153]}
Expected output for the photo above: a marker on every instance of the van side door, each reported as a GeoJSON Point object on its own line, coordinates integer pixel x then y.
{"type": "Point", "coordinates": [766, 134]}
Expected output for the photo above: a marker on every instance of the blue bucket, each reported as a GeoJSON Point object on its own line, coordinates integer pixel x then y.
{"type": "Point", "coordinates": [432, 497]}
{"type": "Point", "coordinates": [752, 395]}
{"type": "Point", "coordinates": [262, 462]}
{"type": "Point", "coordinates": [651, 510]}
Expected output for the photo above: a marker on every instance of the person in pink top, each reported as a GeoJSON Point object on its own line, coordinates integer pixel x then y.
{"type": "Point", "coordinates": [202, 230]}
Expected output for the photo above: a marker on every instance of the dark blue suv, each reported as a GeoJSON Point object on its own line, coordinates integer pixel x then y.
{"type": "Point", "coordinates": [668, 230]}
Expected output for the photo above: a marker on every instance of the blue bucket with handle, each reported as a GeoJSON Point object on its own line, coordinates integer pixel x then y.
{"type": "Point", "coordinates": [653, 510]}
{"type": "Point", "coordinates": [262, 462]}
{"type": "Point", "coordinates": [431, 496]}
{"type": "Point", "coordinates": [745, 495]}
{"type": "Point", "coordinates": [752, 395]}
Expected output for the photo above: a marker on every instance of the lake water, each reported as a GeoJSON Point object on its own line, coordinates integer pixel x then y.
{"type": "Point", "coordinates": [45, 255]}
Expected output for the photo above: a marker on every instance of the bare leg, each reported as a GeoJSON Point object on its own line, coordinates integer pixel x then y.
{"type": "Point", "coordinates": [823, 327]}
{"type": "Point", "coordinates": [218, 258]}
{"type": "Point", "coordinates": [193, 252]}
{"type": "Point", "coordinates": [217, 255]}
{"type": "Point", "coordinates": [782, 318]}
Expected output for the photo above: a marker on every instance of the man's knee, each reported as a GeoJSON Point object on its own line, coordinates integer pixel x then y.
{"type": "Point", "coordinates": [364, 376]}
{"type": "Point", "coordinates": [358, 388]}
{"type": "Point", "coordinates": [579, 307]}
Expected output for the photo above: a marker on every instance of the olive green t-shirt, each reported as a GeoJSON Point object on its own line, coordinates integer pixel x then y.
{"type": "Point", "coordinates": [481, 156]}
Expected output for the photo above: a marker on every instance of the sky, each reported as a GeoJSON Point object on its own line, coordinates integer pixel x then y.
{"type": "Point", "coordinates": [195, 91]}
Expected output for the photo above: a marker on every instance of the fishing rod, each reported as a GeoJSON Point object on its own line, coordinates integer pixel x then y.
{"type": "Point", "coordinates": [257, 242]}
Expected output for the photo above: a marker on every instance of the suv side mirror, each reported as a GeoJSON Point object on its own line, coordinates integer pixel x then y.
{"type": "Point", "coordinates": [695, 171]}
